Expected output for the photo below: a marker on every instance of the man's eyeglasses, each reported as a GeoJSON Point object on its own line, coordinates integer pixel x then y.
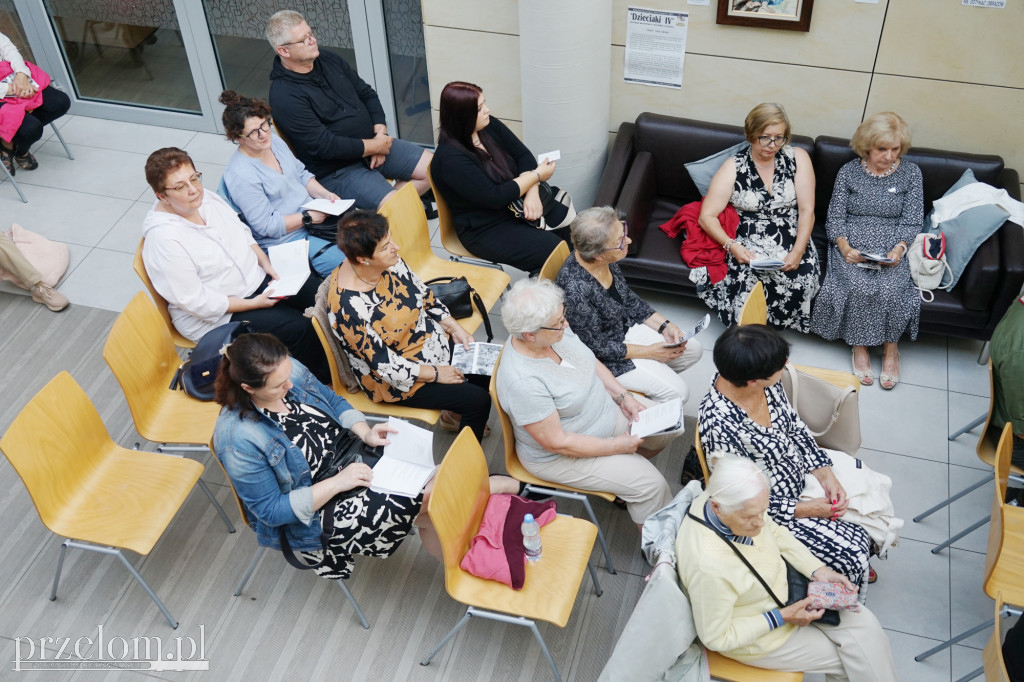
{"type": "Point", "coordinates": [308, 39]}
{"type": "Point", "coordinates": [769, 141]}
{"type": "Point", "coordinates": [560, 327]}
{"type": "Point", "coordinates": [622, 241]}
{"type": "Point", "coordinates": [259, 131]}
{"type": "Point", "coordinates": [195, 180]}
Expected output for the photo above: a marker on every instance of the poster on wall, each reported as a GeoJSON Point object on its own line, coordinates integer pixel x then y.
{"type": "Point", "coordinates": [655, 47]}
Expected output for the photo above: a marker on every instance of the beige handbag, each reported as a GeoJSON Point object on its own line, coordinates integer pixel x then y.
{"type": "Point", "coordinates": [831, 412]}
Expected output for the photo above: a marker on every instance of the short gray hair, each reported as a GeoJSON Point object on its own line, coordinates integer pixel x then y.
{"type": "Point", "coordinates": [590, 231]}
{"type": "Point", "coordinates": [529, 305]}
{"type": "Point", "coordinates": [280, 24]}
{"type": "Point", "coordinates": [734, 480]}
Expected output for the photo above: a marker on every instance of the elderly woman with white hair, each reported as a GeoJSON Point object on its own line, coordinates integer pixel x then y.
{"type": "Point", "coordinates": [641, 347]}
{"type": "Point", "coordinates": [570, 415]}
{"type": "Point", "coordinates": [732, 610]}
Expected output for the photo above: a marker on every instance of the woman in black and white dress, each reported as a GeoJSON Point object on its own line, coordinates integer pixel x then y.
{"type": "Point", "coordinates": [746, 413]}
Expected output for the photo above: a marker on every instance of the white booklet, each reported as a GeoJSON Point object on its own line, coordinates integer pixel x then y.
{"type": "Point", "coordinates": [698, 328]}
{"type": "Point", "coordinates": [329, 207]}
{"type": "Point", "coordinates": [408, 460]}
{"type": "Point", "coordinates": [549, 156]}
{"type": "Point", "coordinates": [291, 260]}
{"type": "Point", "coordinates": [479, 359]}
{"type": "Point", "coordinates": [667, 416]}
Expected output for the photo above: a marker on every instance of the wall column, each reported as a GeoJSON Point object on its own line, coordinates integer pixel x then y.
{"type": "Point", "coordinates": [565, 60]}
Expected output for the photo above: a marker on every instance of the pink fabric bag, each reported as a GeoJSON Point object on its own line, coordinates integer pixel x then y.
{"type": "Point", "coordinates": [50, 258]}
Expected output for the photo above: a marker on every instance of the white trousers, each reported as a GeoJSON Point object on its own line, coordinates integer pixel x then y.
{"type": "Point", "coordinates": [659, 381]}
{"type": "Point", "coordinates": [857, 649]}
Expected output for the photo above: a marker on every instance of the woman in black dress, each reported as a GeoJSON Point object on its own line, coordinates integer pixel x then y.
{"type": "Point", "coordinates": [480, 167]}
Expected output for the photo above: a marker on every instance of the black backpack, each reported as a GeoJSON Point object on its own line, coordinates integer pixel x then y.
{"type": "Point", "coordinates": [197, 374]}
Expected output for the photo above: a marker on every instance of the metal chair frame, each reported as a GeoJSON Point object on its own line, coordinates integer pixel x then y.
{"type": "Point", "coordinates": [10, 176]}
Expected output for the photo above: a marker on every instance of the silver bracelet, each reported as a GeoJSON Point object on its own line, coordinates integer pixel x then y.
{"type": "Point", "coordinates": [620, 398]}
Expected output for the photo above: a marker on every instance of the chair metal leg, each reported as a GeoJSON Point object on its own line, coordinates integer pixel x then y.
{"type": "Point", "coordinates": [950, 642]}
{"type": "Point", "coordinates": [950, 500]}
{"type": "Point", "coordinates": [352, 600]}
{"type": "Point", "coordinates": [544, 648]}
{"type": "Point", "coordinates": [590, 512]}
{"type": "Point", "coordinates": [249, 571]}
{"type": "Point", "coordinates": [216, 505]}
{"type": "Point", "coordinates": [147, 588]}
{"type": "Point", "coordinates": [971, 675]}
{"type": "Point", "coordinates": [593, 577]}
{"type": "Point", "coordinates": [60, 565]}
{"type": "Point", "coordinates": [983, 354]}
{"type": "Point", "coordinates": [444, 640]}
{"type": "Point", "coordinates": [167, 448]}
{"type": "Point", "coordinates": [16, 188]}
{"type": "Point", "coordinates": [974, 424]}
{"type": "Point", "coordinates": [966, 531]}
{"type": "Point", "coordinates": [61, 138]}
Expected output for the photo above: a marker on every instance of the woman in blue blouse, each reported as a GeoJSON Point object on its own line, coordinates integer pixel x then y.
{"type": "Point", "coordinates": [622, 330]}
{"type": "Point", "coordinates": [269, 185]}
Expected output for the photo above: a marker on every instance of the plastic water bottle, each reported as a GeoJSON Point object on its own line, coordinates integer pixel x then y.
{"type": "Point", "coordinates": [531, 538]}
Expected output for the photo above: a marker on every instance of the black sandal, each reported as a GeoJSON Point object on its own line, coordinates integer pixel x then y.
{"type": "Point", "coordinates": [8, 158]}
{"type": "Point", "coordinates": [26, 161]}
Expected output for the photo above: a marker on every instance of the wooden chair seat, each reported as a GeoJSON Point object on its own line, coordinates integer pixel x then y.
{"type": "Point", "coordinates": [161, 303]}
{"type": "Point", "coordinates": [554, 262]}
{"type": "Point", "coordinates": [724, 668]}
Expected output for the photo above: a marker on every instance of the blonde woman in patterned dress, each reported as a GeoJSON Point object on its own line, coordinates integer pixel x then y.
{"type": "Point", "coordinates": [877, 208]}
{"type": "Point", "coordinates": [771, 186]}
{"type": "Point", "coordinates": [397, 335]}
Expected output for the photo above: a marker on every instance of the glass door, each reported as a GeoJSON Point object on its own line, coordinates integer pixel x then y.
{"type": "Point", "coordinates": [410, 88]}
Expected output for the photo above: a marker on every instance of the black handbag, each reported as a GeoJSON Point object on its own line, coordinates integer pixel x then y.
{"type": "Point", "coordinates": [349, 449]}
{"type": "Point", "coordinates": [196, 375]}
{"type": "Point", "coordinates": [547, 199]}
{"type": "Point", "coordinates": [797, 581]}
{"type": "Point", "coordinates": [459, 297]}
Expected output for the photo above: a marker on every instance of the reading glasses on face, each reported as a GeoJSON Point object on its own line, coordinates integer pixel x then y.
{"type": "Point", "coordinates": [560, 327]}
{"type": "Point", "coordinates": [622, 240]}
{"type": "Point", "coordinates": [196, 180]}
{"type": "Point", "coordinates": [259, 131]}
{"type": "Point", "coordinates": [308, 39]}
{"type": "Point", "coordinates": [769, 141]}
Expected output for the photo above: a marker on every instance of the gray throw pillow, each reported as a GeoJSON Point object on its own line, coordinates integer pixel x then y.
{"type": "Point", "coordinates": [966, 232]}
{"type": "Point", "coordinates": [702, 171]}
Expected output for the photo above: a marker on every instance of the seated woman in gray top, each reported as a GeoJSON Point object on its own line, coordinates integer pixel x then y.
{"type": "Point", "coordinates": [570, 415]}
{"type": "Point", "coordinates": [622, 329]}
{"type": "Point", "coordinates": [269, 185]}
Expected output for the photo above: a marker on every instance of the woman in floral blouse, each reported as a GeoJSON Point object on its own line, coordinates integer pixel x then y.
{"type": "Point", "coordinates": [397, 335]}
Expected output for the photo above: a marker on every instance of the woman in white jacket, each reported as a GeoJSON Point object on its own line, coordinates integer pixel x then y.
{"type": "Point", "coordinates": [205, 262]}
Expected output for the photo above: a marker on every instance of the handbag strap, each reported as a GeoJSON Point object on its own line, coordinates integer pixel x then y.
{"type": "Point", "coordinates": [742, 558]}
{"type": "Point", "coordinates": [479, 303]}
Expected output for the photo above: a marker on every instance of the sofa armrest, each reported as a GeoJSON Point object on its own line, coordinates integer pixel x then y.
{"type": "Point", "coordinates": [617, 167]}
{"type": "Point", "coordinates": [636, 202]}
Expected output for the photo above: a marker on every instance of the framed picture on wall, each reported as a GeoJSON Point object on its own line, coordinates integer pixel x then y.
{"type": "Point", "coordinates": [788, 15]}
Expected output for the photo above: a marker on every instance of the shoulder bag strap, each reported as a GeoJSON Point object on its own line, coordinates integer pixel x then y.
{"type": "Point", "coordinates": [479, 303]}
{"type": "Point", "coordinates": [742, 558]}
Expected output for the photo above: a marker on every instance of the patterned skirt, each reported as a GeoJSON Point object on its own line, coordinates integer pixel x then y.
{"type": "Point", "coordinates": [844, 547]}
{"type": "Point", "coordinates": [371, 524]}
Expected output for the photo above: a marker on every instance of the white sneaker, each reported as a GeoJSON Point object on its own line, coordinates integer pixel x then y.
{"type": "Point", "coordinates": [50, 297]}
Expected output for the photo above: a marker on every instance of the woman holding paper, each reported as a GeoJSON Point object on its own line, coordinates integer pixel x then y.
{"type": "Point", "coordinates": [203, 260]}
{"type": "Point", "coordinates": [398, 337]}
{"type": "Point", "coordinates": [642, 348]}
{"type": "Point", "coordinates": [269, 186]}
{"type": "Point", "coordinates": [570, 415]}
{"type": "Point", "coordinates": [771, 186]}
{"type": "Point", "coordinates": [480, 167]}
{"type": "Point", "coordinates": [877, 209]}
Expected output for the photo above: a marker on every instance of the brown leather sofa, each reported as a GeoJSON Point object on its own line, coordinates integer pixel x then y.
{"type": "Point", "coordinates": [646, 180]}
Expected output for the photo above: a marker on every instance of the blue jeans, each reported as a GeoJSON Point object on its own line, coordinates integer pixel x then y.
{"type": "Point", "coordinates": [325, 263]}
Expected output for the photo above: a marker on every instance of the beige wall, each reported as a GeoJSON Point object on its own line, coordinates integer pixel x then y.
{"type": "Point", "coordinates": [953, 72]}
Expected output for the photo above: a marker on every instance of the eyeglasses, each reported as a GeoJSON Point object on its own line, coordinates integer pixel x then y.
{"type": "Point", "coordinates": [561, 325]}
{"type": "Point", "coordinates": [308, 39]}
{"type": "Point", "coordinates": [195, 180]}
{"type": "Point", "coordinates": [259, 131]}
{"type": "Point", "coordinates": [769, 141]}
{"type": "Point", "coordinates": [622, 241]}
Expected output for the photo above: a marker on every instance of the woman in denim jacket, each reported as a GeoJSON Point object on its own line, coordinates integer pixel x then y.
{"type": "Point", "coordinates": [277, 424]}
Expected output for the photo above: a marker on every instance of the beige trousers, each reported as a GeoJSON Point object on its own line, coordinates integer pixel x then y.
{"type": "Point", "coordinates": [857, 649]}
{"type": "Point", "coordinates": [12, 261]}
{"type": "Point", "coordinates": [659, 381]}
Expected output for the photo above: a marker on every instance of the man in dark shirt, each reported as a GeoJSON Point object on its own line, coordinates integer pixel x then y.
{"type": "Point", "coordinates": [1007, 352]}
{"type": "Point", "coordinates": [334, 120]}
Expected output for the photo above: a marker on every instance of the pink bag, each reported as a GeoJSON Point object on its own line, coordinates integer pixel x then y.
{"type": "Point", "coordinates": [50, 258]}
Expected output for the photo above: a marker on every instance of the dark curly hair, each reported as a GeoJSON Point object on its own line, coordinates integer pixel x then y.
{"type": "Point", "coordinates": [237, 108]}
{"type": "Point", "coordinates": [359, 233]}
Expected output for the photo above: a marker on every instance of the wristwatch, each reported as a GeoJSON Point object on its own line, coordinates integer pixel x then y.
{"type": "Point", "coordinates": [307, 219]}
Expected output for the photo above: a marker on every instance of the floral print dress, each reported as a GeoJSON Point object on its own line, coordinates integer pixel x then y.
{"type": "Point", "coordinates": [786, 452]}
{"type": "Point", "coordinates": [768, 225]}
{"type": "Point", "coordinates": [389, 331]}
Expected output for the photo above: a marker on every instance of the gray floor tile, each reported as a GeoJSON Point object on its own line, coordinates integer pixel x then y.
{"type": "Point", "coordinates": [977, 505]}
{"type": "Point", "coordinates": [128, 137]}
{"type": "Point", "coordinates": [910, 420]}
{"type": "Point", "coordinates": [124, 236]}
{"type": "Point", "coordinates": [965, 660]}
{"type": "Point", "coordinates": [963, 409]}
{"type": "Point", "coordinates": [105, 172]}
{"type": "Point", "coordinates": [917, 484]}
{"type": "Point", "coordinates": [965, 374]}
{"type": "Point", "coordinates": [62, 215]}
{"type": "Point", "coordinates": [904, 609]}
{"type": "Point", "coordinates": [207, 148]}
{"type": "Point", "coordinates": [970, 605]}
{"type": "Point", "coordinates": [905, 647]}
{"type": "Point", "coordinates": [922, 362]}
{"type": "Point", "coordinates": [104, 279]}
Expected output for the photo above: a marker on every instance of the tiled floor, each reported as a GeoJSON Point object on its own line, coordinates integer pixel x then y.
{"type": "Point", "coordinates": [96, 204]}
